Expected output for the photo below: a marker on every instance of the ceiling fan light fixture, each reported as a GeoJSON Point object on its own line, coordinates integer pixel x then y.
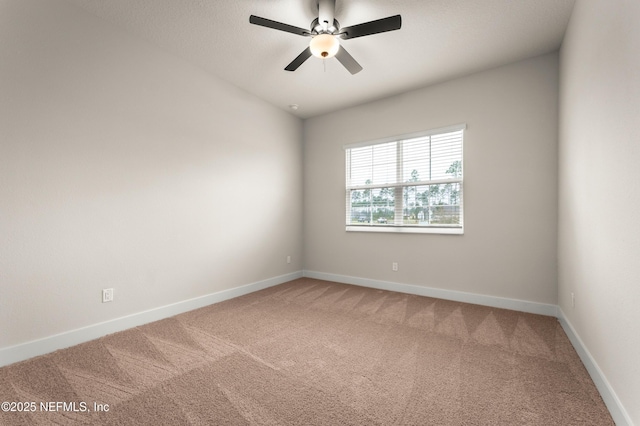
{"type": "Point", "coordinates": [324, 46]}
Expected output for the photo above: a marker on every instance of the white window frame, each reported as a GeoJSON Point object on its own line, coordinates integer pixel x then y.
{"type": "Point", "coordinates": [398, 226]}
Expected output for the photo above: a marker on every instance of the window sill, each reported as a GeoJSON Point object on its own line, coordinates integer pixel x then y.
{"type": "Point", "coordinates": [406, 230]}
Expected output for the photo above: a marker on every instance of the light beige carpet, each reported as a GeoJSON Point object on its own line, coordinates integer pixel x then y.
{"type": "Point", "coordinates": [311, 352]}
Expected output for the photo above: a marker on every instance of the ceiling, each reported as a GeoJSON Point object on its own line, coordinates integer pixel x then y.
{"type": "Point", "coordinates": [439, 40]}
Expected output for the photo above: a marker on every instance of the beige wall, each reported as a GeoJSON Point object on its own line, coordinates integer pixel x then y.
{"type": "Point", "coordinates": [122, 166]}
{"type": "Point", "coordinates": [599, 232]}
{"type": "Point", "coordinates": [509, 246]}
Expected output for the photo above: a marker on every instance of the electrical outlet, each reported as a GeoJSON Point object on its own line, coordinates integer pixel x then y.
{"type": "Point", "coordinates": [394, 266]}
{"type": "Point", "coordinates": [288, 259]}
{"type": "Point", "coordinates": [107, 295]}
{"type": "Point", "coordinates": [573, 300]}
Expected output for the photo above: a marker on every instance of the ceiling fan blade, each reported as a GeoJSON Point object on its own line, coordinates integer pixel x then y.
{"type": "Point", "coordinates": [306, 53]}
{"type": "Point", "coordinates": [264, 22]}
{"type": "Point", "coordinates": [347, 60]}
{"type": "Point", "coordinates": [372, 27]}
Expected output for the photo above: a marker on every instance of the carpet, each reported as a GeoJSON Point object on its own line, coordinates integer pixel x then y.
{"type": "Point", "coordinates": [312, 352]}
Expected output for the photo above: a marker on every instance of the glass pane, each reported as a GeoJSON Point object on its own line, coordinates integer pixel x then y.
{"type": "Point", "coordinates": [444, 204]}
{"type": "Point", "coordinates": [415, 205]}
{"type": "Point", "coordinates": [431, 205]}
{"type": "Point", "coordinates": [372, 207]}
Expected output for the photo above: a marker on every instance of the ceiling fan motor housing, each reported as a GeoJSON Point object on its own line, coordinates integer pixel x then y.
{"type": "Point", "coordinates": [317, 28]}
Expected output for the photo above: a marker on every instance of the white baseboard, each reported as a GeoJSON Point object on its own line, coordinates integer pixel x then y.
{"type": "Point", "coordinates": [619, 414]}
{"type": "Point", "coordinates": [458, 296]}
{"type": "Point", "coordinates": [49, 344]}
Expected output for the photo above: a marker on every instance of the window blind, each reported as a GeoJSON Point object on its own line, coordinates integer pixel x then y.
{"type": "Point", "coordinates": [413, 182]}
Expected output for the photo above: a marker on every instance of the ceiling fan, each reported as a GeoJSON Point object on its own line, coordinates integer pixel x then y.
{"type": "Point", "coordinates": [325, 32]}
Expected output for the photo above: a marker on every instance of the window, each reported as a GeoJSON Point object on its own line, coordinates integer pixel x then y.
{"type": "Point", "coordinates": [411, 183]}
